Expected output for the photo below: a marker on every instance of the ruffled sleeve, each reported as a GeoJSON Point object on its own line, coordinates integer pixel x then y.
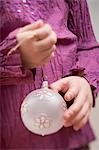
{"type": "Point", "coordinates": [87, 63]}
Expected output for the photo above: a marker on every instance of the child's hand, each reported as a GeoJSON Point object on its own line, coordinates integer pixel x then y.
{"type": "Point", "coordinates": [38, 44]}
{"type": "Point", "coordinates": [76, 88]}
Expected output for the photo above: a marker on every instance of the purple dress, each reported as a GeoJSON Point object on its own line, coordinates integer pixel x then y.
{"type": "Point", "coordinates": [77, 52]}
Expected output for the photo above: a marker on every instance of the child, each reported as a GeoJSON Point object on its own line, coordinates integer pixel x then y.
{"type": "Point", "coordinates": [62, 45]}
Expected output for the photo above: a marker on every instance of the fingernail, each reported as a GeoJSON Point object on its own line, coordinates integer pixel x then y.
{"type": "Point", "coordinates": [54, 47]}
{"type": "Point", "coordinates": [75, 128]}
{"type": "Point", "coordinates": [68, 97]}
{"type": "Point", "coordinates": [67, 115]}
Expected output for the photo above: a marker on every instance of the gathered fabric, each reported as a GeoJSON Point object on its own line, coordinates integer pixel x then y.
{"type": "Point", "coordinates": [76, 47]}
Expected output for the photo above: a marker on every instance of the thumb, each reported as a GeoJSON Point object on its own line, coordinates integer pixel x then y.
{"type": "Point", "coordinates": [60, 85]}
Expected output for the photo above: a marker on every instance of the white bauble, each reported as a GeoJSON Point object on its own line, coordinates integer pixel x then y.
{"type": "Point", "coordinates": [42, 111]}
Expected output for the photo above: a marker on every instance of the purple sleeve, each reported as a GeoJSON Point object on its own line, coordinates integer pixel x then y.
{"type": "Point", "coordinates": [11, 69]}
{"type": "Point", "coordinates": [8, 42]}
{"type": "Point", "coordinates": [87, 63]}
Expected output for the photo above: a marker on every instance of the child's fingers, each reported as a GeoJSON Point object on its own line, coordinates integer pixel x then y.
{"type": "Point", "coordinates": [46, 43]}
{"type": "Point", "coordinates": [71, 93]}
{"type": "Point", "coordinates": [46, 54]}
{"type": "Point", "coordinates": [82, 113]}
{"type": "Point", "coordinates": [57, 86]}
{"type": "Point", "coordinates": [75, 108]}
{"type": "Point", "coordinates": [60, 85]}
{"type": "Point", "coordinates": [43, 32]}
{"type": "Point", "coordinates": [32, 26]}
{"type": "Point", "coordinates": [44, 36]}
{"type": "Point", "coordinates": [82, 122]}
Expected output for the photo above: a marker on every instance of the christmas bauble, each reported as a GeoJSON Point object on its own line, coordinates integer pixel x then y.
{"type": "Point", "coordinates": [42, 111]}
